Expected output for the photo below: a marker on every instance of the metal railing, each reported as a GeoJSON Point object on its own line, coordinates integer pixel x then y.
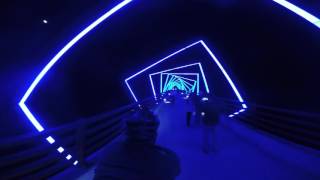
{"type": "Point", "coordinates": [32, 157]}
{"type": "Point", "coordinates": [296, 126]}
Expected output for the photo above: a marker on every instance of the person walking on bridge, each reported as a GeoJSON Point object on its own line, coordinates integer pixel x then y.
{"type": "Point", "coordinates": [209, 110]}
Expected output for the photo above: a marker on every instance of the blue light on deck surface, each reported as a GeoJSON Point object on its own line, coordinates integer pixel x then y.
{"type": "Point", "coordinates": [204, 99]}
{"type": "Point", "coordinates": [57, 57]}
{"type": "Point", "coordinates": [309, 17]}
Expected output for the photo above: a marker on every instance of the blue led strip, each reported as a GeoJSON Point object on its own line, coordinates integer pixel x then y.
{"type": "Point", "coordinates": [57, 57]}
{"type": "Point", "coordinates": [154, 64]}
{"type": "Point", "coordinates": [309, 17]}
{"type": "Point", "coordinates": [153, 89]}
{"type": "Point", "coordinates": [214, 58]}
{"type": "Point", "coordinates": [184, 78]}
{"type": "Point", "coordinates": [179, 75]}
{"type": "Point", "coordinates": [198, 85]}
{"type": "Point", "coordinates": [166, 86]}
{"type": "Point", "coordinates": [176, 68]}
{"type": "Point", "coordinates": [163, 72]}
{"type": "Point", "coordinates": [181, 81]}
{"type": "Point", "coordinates": [190, 86]}
{"type": "Point", "coordinates": [186, 84]}
{"type": "Point", "coordinates": [161, 83]}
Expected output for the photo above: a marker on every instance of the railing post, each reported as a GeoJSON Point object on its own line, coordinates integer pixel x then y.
{"type": "Point", "coordinates": [80, 142]}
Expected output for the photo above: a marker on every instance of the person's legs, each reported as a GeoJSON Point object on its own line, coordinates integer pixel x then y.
{"type": "Point", "coordinates": [205, 139]}
{"type": "Point", "coordinates": [208, 139]}
{"type": "Point", "coordinates": [199, 119]}
{"type": "Point", "coordinates": [188, 118]}
{"type": "Point", "coordinates": [211, 138]}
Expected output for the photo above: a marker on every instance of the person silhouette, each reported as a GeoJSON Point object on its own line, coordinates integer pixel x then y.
{"type": "Point", "coordinates": [209, 109]}
{"type": "Point", "coordinates": [137, 157]}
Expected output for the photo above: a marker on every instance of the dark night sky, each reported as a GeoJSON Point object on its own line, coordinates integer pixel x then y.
{"type": "Point", "coordinates": [271, 54]}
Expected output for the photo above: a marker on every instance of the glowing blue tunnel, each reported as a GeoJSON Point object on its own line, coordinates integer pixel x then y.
{"type": "Point", "coordinates": [179, 80]}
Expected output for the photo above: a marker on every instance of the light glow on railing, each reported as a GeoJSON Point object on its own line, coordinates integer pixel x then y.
{"type": "Point", "coordinates": [60, 149]}
{"type": "Point", "coordinates": [244, 106]}
{"type": "Point", "coordinates": [68, 157]}
{"type": "Point", "coordinates": [50, 140]}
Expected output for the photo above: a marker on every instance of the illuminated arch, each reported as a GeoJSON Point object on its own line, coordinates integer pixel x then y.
{"type": "Point", "coordinates": [182, 83]}
{"type": "Point", "coordinates": [304, 14]}
{"type": "Point", "coordinates": [190, 88]}
{"type": "Point", "coordinates": [181, 67]}
{"type": "Point", "coordinates": [44, 71]}
{"type": "Point", "coordinates": [214, 59]}
{"type": "Point", "coordinates": [51, 63]}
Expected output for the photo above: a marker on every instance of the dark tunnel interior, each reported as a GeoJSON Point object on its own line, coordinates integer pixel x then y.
{"type": "Point", "coordinates": [271, 54]}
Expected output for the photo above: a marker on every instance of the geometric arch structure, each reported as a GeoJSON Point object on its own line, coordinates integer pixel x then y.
{"type": "Point", "coordinates": [39, 127]}
{"type": "Point", "coordinates": [179, 82]}
{"type": "Point", "coordinates": [177, 68]}
{"type": "Point", "coordinates": [214, 60]}
{"type": "Point", "coordinates": [35, 122]}
{"type": "Point", "coordinates": [188, 85]}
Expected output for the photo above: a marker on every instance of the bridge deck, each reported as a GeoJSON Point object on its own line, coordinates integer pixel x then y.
{"type": "Point", "coordinates": [235, 157]}
{"type": "Point", "coordinates": [241, 153]}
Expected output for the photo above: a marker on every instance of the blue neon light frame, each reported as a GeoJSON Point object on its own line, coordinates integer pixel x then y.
{"type": "Point", "coordinates": [304, 14]}
{"type": "Point", "coordinates": [51, 63]}
{"type": "Point", "coordinates": [176, 68]}
{"type": "Point", "coordinates": [180, 67]}
{"type": "Point", "coordinates": [188, 79]}
{"type": "Point", "coordinates": [214, 58]}
{"type": "Point", "coordinates": [33, 85]}
{"type": "Point", "coordinates": [186, 86]}
{"type": "Point", "coordinates": [193, 74]}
